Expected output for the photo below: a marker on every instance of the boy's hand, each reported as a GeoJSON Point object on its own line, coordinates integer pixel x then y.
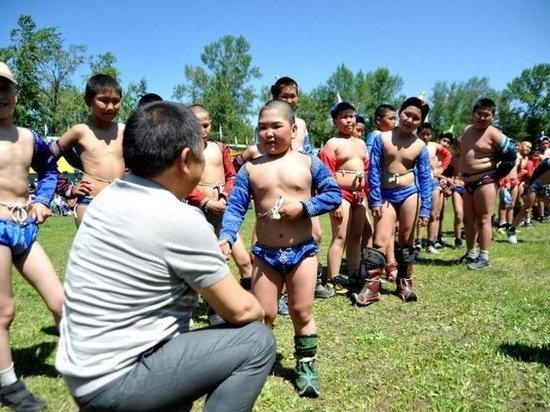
{"type": "Point", "coordinates": [225, 248]}
{"type": "Point", "coordinates": [291, 210]}
{"type": "Point", "coordinates": [338, 213]}
{"type": "Point", "coordinates": [423, 221]}
{"type": "Point", "coordinates": [39, 212]}
{"type": "Point", "coordinates": [216, 207]}
{"type": "Point", "coordinates": [83, 188]}
{"type": "Point", "coordinates": [377, 212]}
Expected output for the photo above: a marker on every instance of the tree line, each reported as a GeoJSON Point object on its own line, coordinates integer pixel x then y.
{"type": "Point", "coordinates": [49, 95]}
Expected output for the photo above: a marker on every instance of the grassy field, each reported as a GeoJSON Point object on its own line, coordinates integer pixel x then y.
{"type": "Point", "coordinates": [473, 341]}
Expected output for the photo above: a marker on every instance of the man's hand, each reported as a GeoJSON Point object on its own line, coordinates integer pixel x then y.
{"type": "Point", "coordinates": [225, 248]}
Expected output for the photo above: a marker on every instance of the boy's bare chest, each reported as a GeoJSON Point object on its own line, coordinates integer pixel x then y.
{"type": "Point", "coordinates": [98, 144]}
{"type": "Point", "coordinates": [213, 156]}
{"type": "Point", "coordinates": [285, 176]}
{"type": "Point", "coordinates": [16, 151]}
{"type": "Point", "coordinates": [352, 148]}
{"type": "Point", "coordinates": [405, 154]}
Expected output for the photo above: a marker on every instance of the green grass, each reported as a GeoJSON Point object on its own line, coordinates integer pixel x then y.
{"type": "Point", "coordinates": [474, 340]}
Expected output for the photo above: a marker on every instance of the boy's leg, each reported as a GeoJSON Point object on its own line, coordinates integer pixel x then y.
{"type": "Point", "coordinates": [408, 217]}
{"type": "Point", "coordinates": [301, 285]}
{"type": "Point", "coordinates": [339, 233]}
{"type": "Point", "coordinates": [242, 261]}
{"type": "Point", "coordinates": [79, 211]}
{"type": "Point", "coordinates": [458, 207]}
{"type": "Point", "coordinates": [353, 241]}
{"type": "Point", "coordinates": [267, 286]}
{"type": "Point", "coordinates": [433, 224]}
{"type": "Point", "coordinates": [230, 364]}
{"type": "Point", "coordinates": [13, 393]}
{"type": "Point", "coordinates": [469, 227]}
{"type": "Point", "coordinates": [321, 291]}
{"type": "Point", "coordinates": [484, 200]}
{"type": "Point", "coordinates": [36, 268]}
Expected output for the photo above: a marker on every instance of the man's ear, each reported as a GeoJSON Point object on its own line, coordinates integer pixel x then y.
{"type": "Point", "coordinates": [184, 158]}
{"type": "Point", "coordinates": [294, 130]}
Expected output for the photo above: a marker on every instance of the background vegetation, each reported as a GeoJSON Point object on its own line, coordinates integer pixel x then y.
{"type": "Point", "coordinates": [475, 341]}
{"type": "Point", "coordinates": [50, 95]}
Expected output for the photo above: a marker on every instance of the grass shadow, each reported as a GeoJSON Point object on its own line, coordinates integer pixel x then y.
{"type": "Point", "coordinates": [526, 353]}
{"type": "Point", "coordinates": [288, 374]}
{"type": "Point", "coordinates": [50, 330]}
{"type": "Point", "coordinates": [31, 361]}
{"type": "Point", "coordinates": [428, 261]}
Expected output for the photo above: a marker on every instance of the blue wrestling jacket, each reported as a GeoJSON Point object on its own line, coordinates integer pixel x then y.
{"type": "Point", "coordinates": [422, 173]}
{"type": "Point", "coordinates": [328, 197]}
{"type": "Point", "coordinates": [45, 165]}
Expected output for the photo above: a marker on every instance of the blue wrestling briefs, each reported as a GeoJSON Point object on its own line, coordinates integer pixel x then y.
{"type": "Point", "coordinates": [18, 238]}
{"type": "Point", "coordinates": [397, 196]}
{"type": "Point", "coordinates": [459, 190]}
{"type": "Point", "coordinates": [285, 259]}
{"type": "Point", "coordinates": [436, 185]}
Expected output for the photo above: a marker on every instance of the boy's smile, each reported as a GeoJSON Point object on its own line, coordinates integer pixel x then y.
{"type": "Point", "coordinates": [275, 132]}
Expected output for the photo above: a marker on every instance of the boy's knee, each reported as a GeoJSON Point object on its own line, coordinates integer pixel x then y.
{"type": "Point", "coordinates": [7, 312]}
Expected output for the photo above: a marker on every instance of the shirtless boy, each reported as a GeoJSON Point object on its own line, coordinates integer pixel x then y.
{"type": "Point", "coordinates": [440, 157]}
{"type": "Point", "coordinates": [285, 253]}
{"type": "Point", "coordinates": [19, 218]}
{"type": "Point", "coordinates": [98, 141]}
{"type": "Point", "coordinates": [347, 159]}
{"type": "Point", "coordinates": [210, 195]}
{"type": "Point", "coordinates": [395, 197]}
{"type": "Point", "coordinates": [486, 155]}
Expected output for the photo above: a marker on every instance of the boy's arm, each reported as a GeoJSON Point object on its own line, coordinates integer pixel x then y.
{"type": "Point", "coordinates": [46, 167]}
{"type": "Point", "coordinates": [445, 156]}
{"type": "Point", "coordinates": [308, 149]}
{"type": "Point", "coordinates": [67, 141]}
{"type": "Point", "coordinates": [328, 194]}
{"type": "Point", "coordinates": [506, 155]}
{"type": "Point", "coordinates": [228, 169]}
{"type": "Point", "coordinates": [237, 206]}
{"type": "Point", "coordinates": [197, 198]}
{"type": "Point", "coordinates": [328, 157]}
{"type": "Point", "coordinates": [375, 173]}
{"type": "Point", "coordinates": [424, 177]}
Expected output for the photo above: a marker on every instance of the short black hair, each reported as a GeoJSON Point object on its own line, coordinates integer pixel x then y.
{"type": "Point", "coordinates": [339, 108]}
{"type": "Point", "coordinates": [100, 82]}
{"type": "Point", "coordinates": [425, 125]}
{"type": "Point", "coordinates": [485, 103]}
{"type": "Point", "coordinates": [280, 83]}
{"type": "Point", "coordinates": [383, 109]}
{"type": "Point", "coordinates": [149, 98]}
{"type": "Point", "coordinates": [155, 135]}
{"type": "Point", "coordinates": [360, 119]}
{"type": "Point", "coordinates": [418, 103]}
{"type": "Point", "coordinates": [282, 106]}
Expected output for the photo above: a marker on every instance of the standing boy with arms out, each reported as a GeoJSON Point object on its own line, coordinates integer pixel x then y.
{"type": "Point", "coordinates": [19, 218]}
{"type": "Point", "coordinates": [285, 253]}
{"type": "Point", "coordinates": [486, 155]}
{"type": "Point", "coordinates": [99, 141]}
{"type": "Point", "coordinates": [347, 159]}
{"type": "Point", "coordinates": [397, 196]}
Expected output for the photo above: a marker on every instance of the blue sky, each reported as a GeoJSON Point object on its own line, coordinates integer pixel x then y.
{"type": "Point", "coordinates": [421, 41]}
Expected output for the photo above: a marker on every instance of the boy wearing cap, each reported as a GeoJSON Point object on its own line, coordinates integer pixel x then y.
{"type": "Point", "coordinates": [486, 156]}
{"type": "Point", "coordinates": [347, 159]}
{"type": "Point", "coordinates": [21, 149]}
{"type": "Point", "coordinates": [395, 190]}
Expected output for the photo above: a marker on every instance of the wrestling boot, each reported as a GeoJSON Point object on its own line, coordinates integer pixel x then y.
{"type": "Point", "coordinates": [322, 292]}
{"type": "Point", "coordinates": [372, 267]}
{"type": "Point", "coordinates": [405, 259]}
{"type": "Point", "coordinates": [307, 377]}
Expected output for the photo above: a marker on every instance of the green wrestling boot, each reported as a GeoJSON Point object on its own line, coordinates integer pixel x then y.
{"type": "Point", "coordinates": [307, 379]}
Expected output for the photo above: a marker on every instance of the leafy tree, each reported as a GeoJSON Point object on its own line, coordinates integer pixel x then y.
{"type": "Point", "coordinates": [104, 64]}
{"type": "Point", "coordinates": [223, 85]}
{"type": "Point", "coordinates": [529, 99]}
{"type": "Point", "coordinates": [130, 98]}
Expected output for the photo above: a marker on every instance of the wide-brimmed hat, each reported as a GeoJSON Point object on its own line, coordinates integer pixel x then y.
{"type": "Point", "coordinates": [6, 73]}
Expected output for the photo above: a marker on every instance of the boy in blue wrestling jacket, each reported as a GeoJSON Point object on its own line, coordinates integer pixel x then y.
{"type": "Point", "coordinates": [281, 183]}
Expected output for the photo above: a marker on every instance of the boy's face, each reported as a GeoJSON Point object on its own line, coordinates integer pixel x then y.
{"type": "Point", "coordinates": [8, 98]}
{"type": "Point", "coordinates": [289, 94]}
{"type": "Point", "coordinates": [105, 105]}
{"type": "Point", "coordinates": [359, 130]}
{"type": "Point", "coordinates": [410, 119]}
{"type": "Point", "coordinates": [483, 118]}
{"type": "Point", "coordinates": [205, 122]}
{"type": "Point", "coordinates": [275, 133]}
{"type": "Point", "coordinates": [387, 122]}
{"type": "Point", "coordinates": [445, 142]}
{"type": "Point", "coordinates": [345, 123]}
{"type": "Point", "coordinates": [544, 145]}
{"type": "Point", "coordinates": [425, 134]}
{"type": "Point", "coordinates": [526, 148]}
